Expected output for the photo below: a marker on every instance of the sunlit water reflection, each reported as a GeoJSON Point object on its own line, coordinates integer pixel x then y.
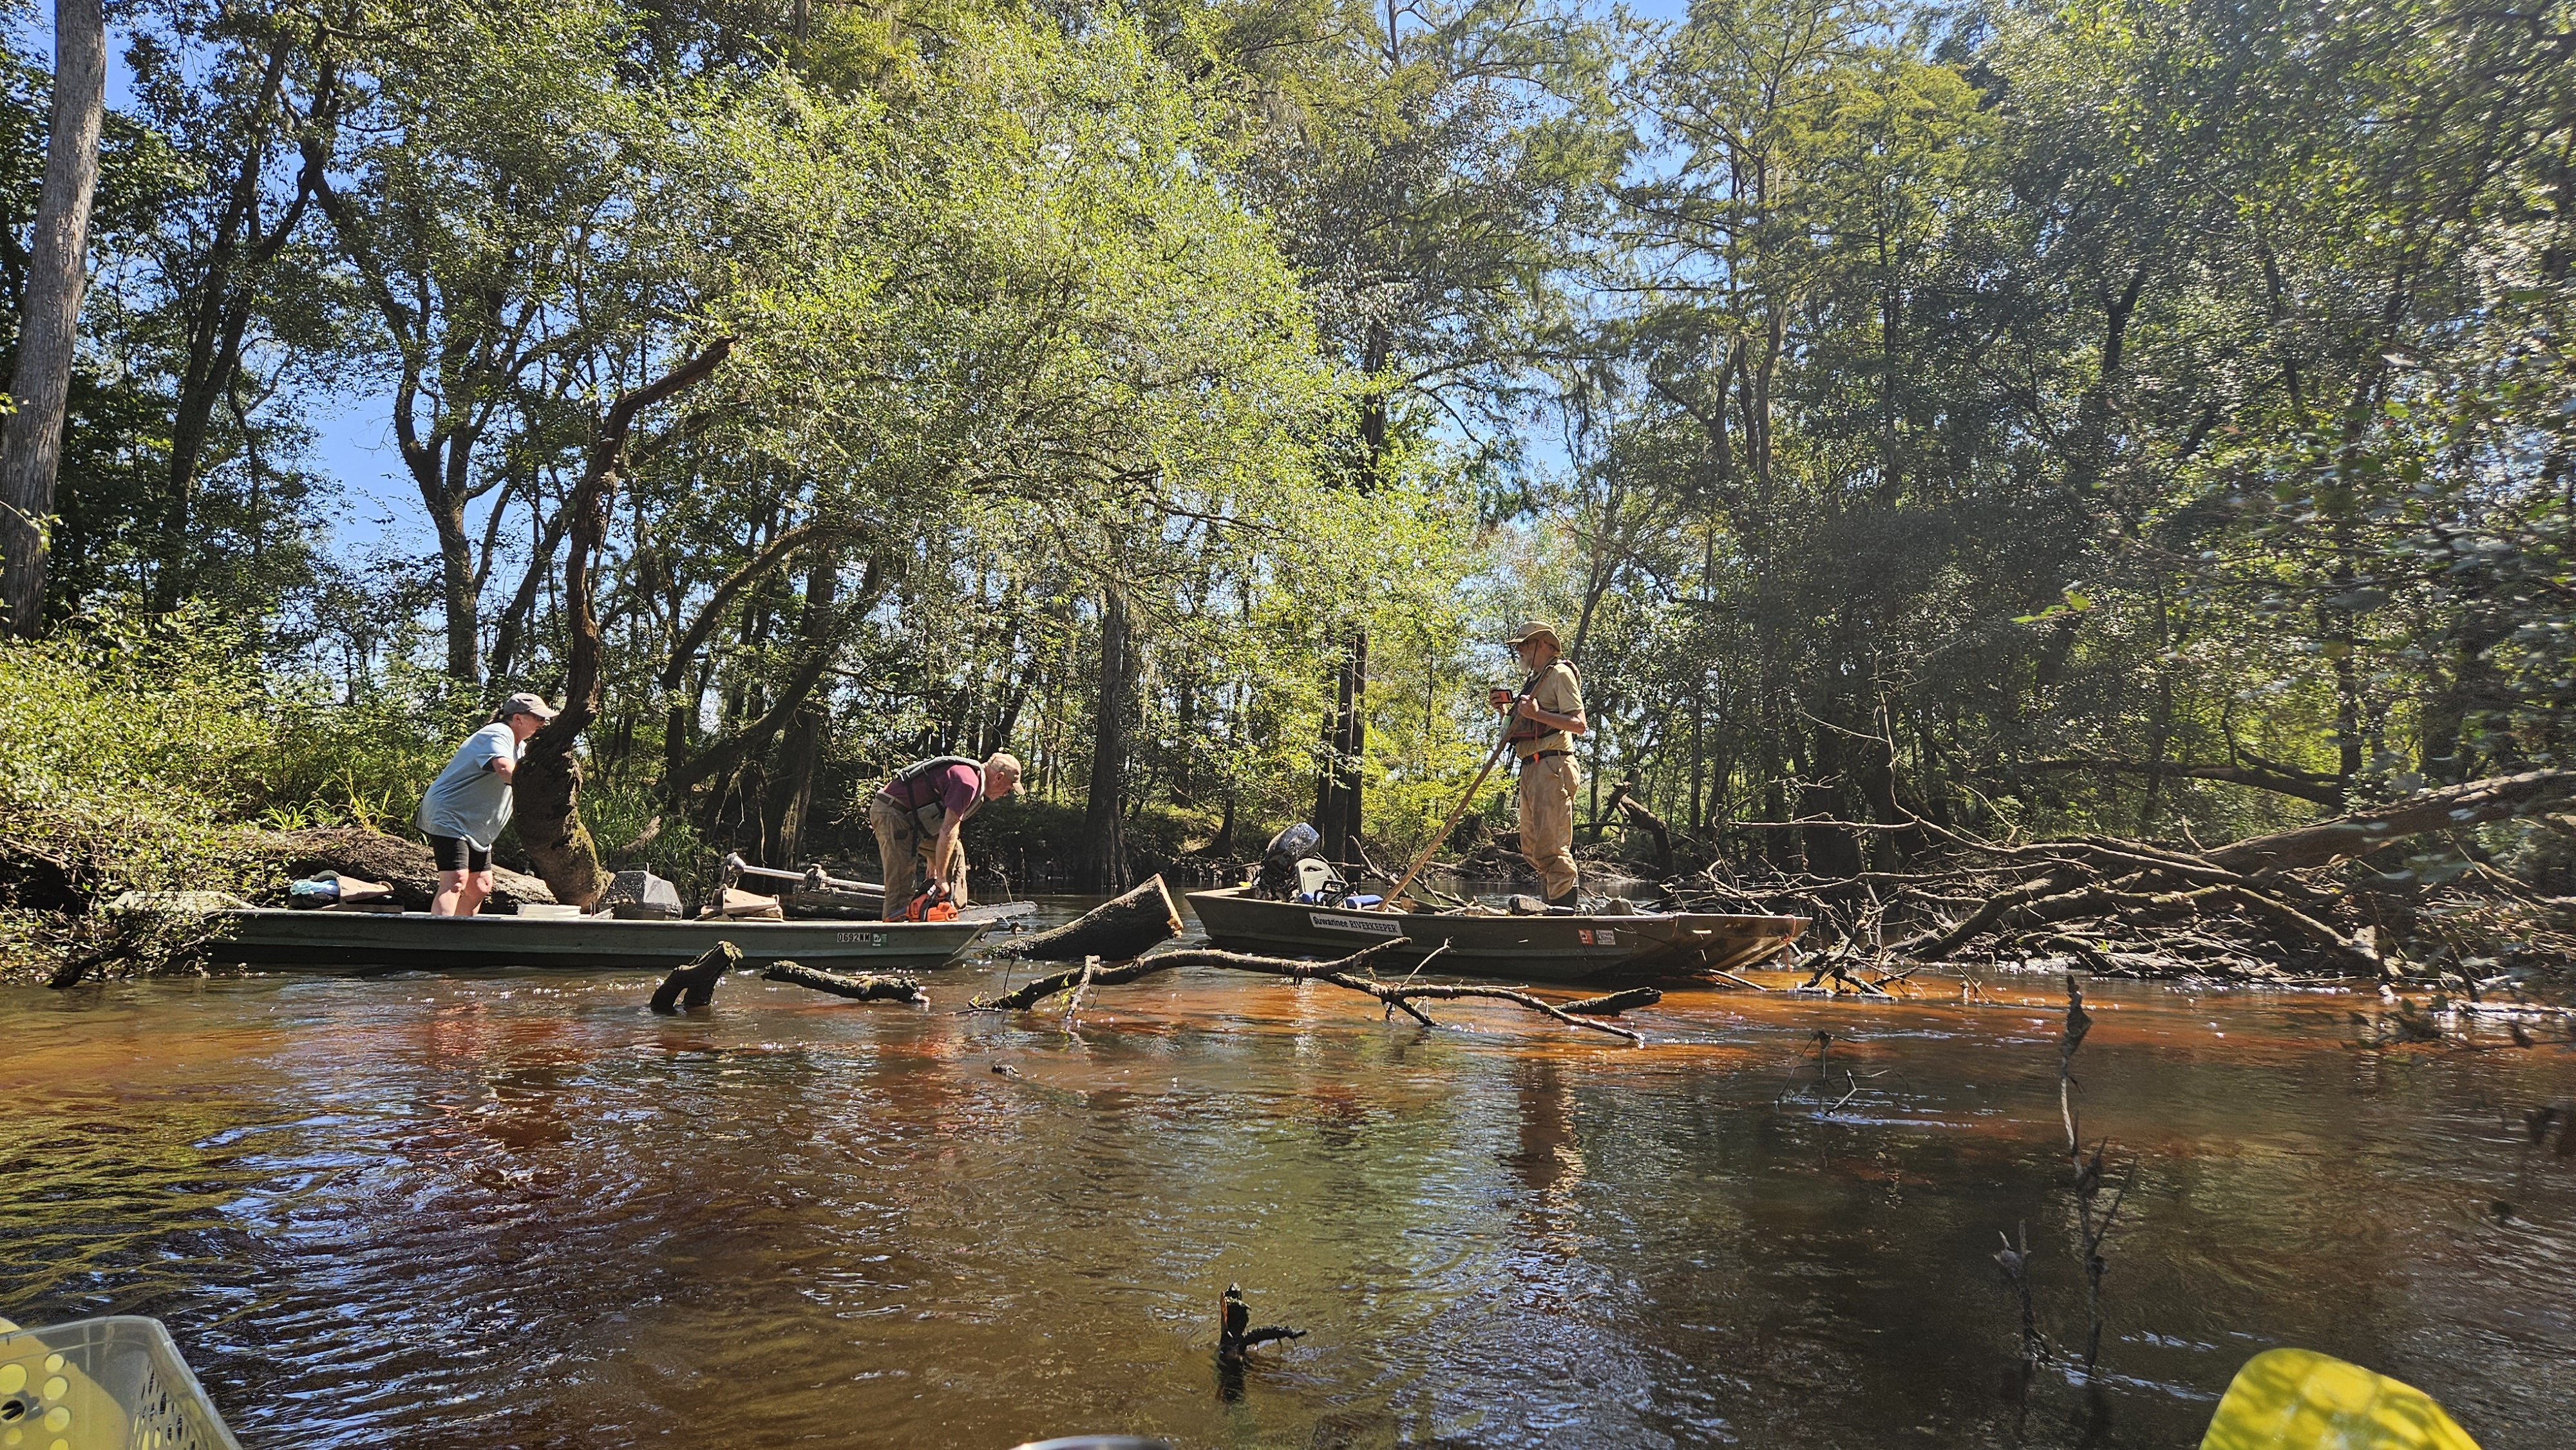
{"type": "Point", "coordinates": [521, 1211]}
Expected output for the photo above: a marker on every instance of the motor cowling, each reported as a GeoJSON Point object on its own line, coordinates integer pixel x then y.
{"type": "Point", "coordinates": [1277, 879]}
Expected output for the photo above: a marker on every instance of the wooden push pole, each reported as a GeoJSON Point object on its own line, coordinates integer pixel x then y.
{"type": "Point", "coordinates": [1451, 824]}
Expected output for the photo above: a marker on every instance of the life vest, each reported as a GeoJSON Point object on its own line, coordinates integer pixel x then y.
{"type": "Point", "coordinates": [929, 814]}
{"type": "Point", "coordinates": [1524, 728]}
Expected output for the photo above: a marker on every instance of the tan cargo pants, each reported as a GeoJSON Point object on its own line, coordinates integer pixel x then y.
{"type": "Point", "coordinates": [1547, 821]}
{"type": "Point", "coordinates": [903, 850]}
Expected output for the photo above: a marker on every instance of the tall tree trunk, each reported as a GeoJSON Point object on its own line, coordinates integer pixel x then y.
{"type": "Point", "coordinates": [31, 444]}
{"type": "Point", "coordinates": [457, 593]}
{"type": "Point", "coordinates": [547, 787]}
{"type": "Point", "coordinates": [727, 757]}
{"type": "Point", "coordinates": [800, 751]}
{"type": "Point", "coordinates": [1104, 837]}
{"type": "Point", "coordinates": [1337, 799]}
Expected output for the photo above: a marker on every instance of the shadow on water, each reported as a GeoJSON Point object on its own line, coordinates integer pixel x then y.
{"type": "Point", "coordinates": [520, 1210]}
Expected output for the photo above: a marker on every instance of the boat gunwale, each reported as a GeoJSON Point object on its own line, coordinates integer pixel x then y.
{"type": "Point", "coordinates": [360, 941]}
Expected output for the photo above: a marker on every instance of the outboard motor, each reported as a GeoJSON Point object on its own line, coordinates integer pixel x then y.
{"type": "Point", "coordinates": [1278, 877]}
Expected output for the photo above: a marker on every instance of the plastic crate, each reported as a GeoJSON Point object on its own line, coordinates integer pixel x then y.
{"type": "Point", "coordinates": [115, 1383]}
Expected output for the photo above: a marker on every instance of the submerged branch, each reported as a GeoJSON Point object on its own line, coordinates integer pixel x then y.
{"type": "Point", "coordinates": [1398, 997]}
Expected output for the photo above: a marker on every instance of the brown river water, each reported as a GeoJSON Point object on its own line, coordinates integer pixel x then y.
{"type": "Point", "coordinates": [519, 1210]}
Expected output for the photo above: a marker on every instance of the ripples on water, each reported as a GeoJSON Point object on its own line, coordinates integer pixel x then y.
{"type": "Point", "coordinates": [521, 1211]}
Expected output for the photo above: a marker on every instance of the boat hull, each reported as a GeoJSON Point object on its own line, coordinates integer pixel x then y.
{"type": "Point", "coordinates": [415, 941]}
{"type": "Point", "coordinates": [1527, 948]}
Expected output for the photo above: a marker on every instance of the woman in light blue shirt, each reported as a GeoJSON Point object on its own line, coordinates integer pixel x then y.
{"type": "Point", "coordinates": [466, 807]}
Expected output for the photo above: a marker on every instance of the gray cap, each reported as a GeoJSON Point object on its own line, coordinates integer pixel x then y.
{"type": "Point", "coordinates": [524, 703]}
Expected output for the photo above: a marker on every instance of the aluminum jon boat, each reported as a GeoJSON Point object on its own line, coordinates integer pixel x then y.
{"type": "Point", "coordinates": [1526, 948]}
{"type": "Point", "coordinates": [415, 941]}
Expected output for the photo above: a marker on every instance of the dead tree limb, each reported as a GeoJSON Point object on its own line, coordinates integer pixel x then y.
{"type": "Point", "coordinates": [1399, 997]}
{"type": "Point", "coordinates": [698, 978]}
{"type": "Point", "coordinates": [2363, 832]}
{"type": "Point", "coordinates": [1932, 947]}
{"type": "Point", "coordinates": [1615, 1003]}
{"type": "Point", "coordinates": [867, 987]}
{"type": "Point", "coordinates": [1128, 926]}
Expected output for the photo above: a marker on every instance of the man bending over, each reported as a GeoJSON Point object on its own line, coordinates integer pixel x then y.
{"type": "Point", "coordinates": [916, 815]}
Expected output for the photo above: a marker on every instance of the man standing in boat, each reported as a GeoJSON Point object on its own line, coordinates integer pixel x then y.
{"type": "Point", "coordinates": [469, 803]}
{"type": "Point", "coordinates": [1545, 717]}
{"type": "Point", "coordinates": [916, 815]}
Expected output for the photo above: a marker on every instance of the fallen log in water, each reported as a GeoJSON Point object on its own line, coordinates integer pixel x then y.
{"type": "Point", "coordinates": [1113, 931]}
{"type": "Point", "coordinates": [694, 984]}
{"type": "Point", "coordinates": [1398, 996]}
{"type": "Point", "coordinates": [870, 987]}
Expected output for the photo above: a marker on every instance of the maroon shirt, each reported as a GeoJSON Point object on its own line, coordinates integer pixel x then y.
{"type": "Point", "coordinates": [955, 787]}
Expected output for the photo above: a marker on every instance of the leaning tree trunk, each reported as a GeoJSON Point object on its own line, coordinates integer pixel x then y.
{"type": "Point", "coordinates": [546, 791]}
{"type": "Point", "coordinates": [31, 444]}
{"type": "Point", "coordinates": [2451, 808]}
{"type": "Point", "coordinates": [1104, 836]}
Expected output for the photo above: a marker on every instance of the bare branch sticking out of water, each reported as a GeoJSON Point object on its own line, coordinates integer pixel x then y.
{"type": "Point", "coordinates": [1234, 1333]}
{"type": "Point", "coordinates": [2092, 1219]}
{"type": "Point", "coordinates": [1400, 997]}
{"type": "Point", "coordinates": [1073, 1002]}
{"type": "Point", "coordinates": [698, 979]}
{"type": "Point", "coordinates": [2015, 1262]}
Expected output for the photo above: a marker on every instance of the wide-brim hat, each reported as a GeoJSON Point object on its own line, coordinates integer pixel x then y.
{"type": "Point", "coordinates": [1535, 629]}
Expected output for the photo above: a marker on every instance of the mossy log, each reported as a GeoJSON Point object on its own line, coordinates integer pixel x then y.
{"type": "Point", "coordinates": [694, 985]}
{"type": "Point", "coordinates": [1112, 931]}
{"type": "Point", "coordinates": [869, 987]}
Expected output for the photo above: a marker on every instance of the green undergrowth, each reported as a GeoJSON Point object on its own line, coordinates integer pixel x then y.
{"type": "Point", "coordinates": [145, 758]}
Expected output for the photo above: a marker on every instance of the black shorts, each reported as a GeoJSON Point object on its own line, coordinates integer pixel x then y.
{"type": "Point", "coordinates": [455, 853]}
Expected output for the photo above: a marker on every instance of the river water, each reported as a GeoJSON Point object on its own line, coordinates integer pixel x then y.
{"type": "Point", "coordinates": [519, 1210]}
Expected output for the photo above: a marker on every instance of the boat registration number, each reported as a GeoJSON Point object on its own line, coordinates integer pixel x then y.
{"type": "Point", "coordinates": [1372, 925]}
{"type": "Point", "coordinates": [862, 938]}
{"type": "Point", "coordinates": [1600, 937]}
